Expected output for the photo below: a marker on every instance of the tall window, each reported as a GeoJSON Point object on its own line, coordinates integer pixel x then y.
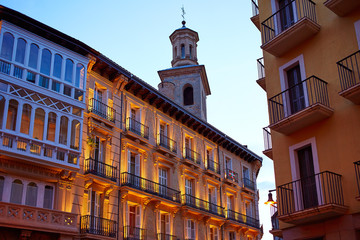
{"type": "Point", "coordinates": [75, 134]}
{"type": "Point", "coordinates": [80, 76]}
{"type": "Point", "coordinates": [164, 224]}
{"type": "Point", "coordinates": [286, 14]}
{"type": "Point", "coordinates": [39, 124]}
{"type": "Point", "coordinates": [231, 235]}
{"type": "Point", "coordinates": [51, 128]}
{"type": "Point", "coordinates": [163, 179]}
{"type": "Point", "coordinates": [189, 186]}
{"type": "Point", "coordinates": [7, 46]}
{"type": "Point", "coordinates": [188, 96]}
{"type": "Point", "coordinates": [33, 56]}
{"type": "Point", "coordinates": [63, 130]}
{"type": "Point", "coordinates": [134, 222]}
{"type": "Point", "coordinates": [48, 197]}
{"type": "Point", "coordinates": [25, 119]}
{"type": "Point", "coordinates": [214, 233]}
{"type": "Point", "coordinates": [69, 70]}
{"type": "Point", "coordinates": [31, 194]}
{"type": "Point", "coordinates": [190, 229]}
{"type": "Point", "coordinates": [182, 51]}
{"type": "Point", "coordinates": [16, 192]}
{"type": "Point", "coordinates": [296, 90]}
{"type": "Point", "coordinates": [2, 180]}
{"type": "Point", "coordinates": [246, 173]}
{"type": "Point", "coordinates": [99, 149]}
{"type": "Point", "coordinates": [12, 115]}
{"type": "Point", "coordinates": [2, 106]}
{"type": "Point", "coordinates": [45, 62]}
{"type": "Point", "coordinates": [20, 51]}
{"type": "Point", "coordinates": [57, 66]}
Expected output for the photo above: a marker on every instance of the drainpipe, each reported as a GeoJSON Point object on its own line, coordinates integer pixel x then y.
{"type": "Point", "coordinates": [221, 203]}
{"type": "Point", "coordinates": [120, 210]}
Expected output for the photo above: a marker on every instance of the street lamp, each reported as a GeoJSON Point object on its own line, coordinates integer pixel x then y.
{"type": "Point", "coordinates": [270, 200]}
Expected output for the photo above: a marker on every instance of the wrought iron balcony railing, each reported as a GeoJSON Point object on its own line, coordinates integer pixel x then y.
{"type": "Point", "coordinates": [287, 16]}
{"type": "Point", "coordinates": [101, 169]}
{"type": "Point", "coordinates": [203, 205]}
{"type": "Point", "coordinates": [313, 191]}
{"type": "Point", "coordinates": [261, 68]}
{"type": "Point", "coordinates": [267, 138]}
{"type": "Point", "coordinates": [167, 142]}
{"type": "Point", "coordinates": [192, 155]}
{"type": "Point", "coordinates": [134, 233]}
{"type": "Point", "coordinates": [101, 109]}
{"type": "Point", "coordinates": [137, 127]}
{"type": "Point", "coordinates": [242, 218]}
{"type": "Point", "coordinates": [308, 92]}
{"type": "Point", "coordinates": [98, 226]}
{"type": "Point", "coordinates": [164, 236]}
{"type": "Point", "coordinates": [349, 71]}
{"type": "Point", "coordinates": [255, 7]}
{"type": "Point", "coordinates": [131, 180]}
{"type": "Point", "coordinates": [230, 174]}
{"type": "Point", "coordinates": [248, 183]}
{"type": "Point", "coordinates": [212, 165]}
{"type": "Point", "coordinates": [357, 172]}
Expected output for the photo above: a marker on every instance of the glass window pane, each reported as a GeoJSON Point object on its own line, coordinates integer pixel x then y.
{"type": "Point", "coordinates": [20, 51]}
{"type": "Point", "coordinates": [16, 192]}
{"type": "Point", "coordinates": [63, 130]}
{"type": "Point", "coordinates": [80, 76]}
{"type": "Point", "coordinates": [69, 70]}
{"type": "Point", "coordinates": [79, 95]}
{"type": "Point", "coordinates": [2, 180]}
{"type": "Point", "coordinates": [51, 127]}
{"type": "Point", "coordinates": [25, 119]}
{"type": "Point", "coordinates": [48, 197]}
{"type": "Point", "coordinates": [31, 194]}
{"type": "Point", "coordinates": [7, 46]}
{"type": "Point", "coordinates": [12, 115]}
{"type": "Point", "coordinates": [39, 124]}
{"type": "Point", "coordinates": [2, 106]}
{"type": "Point", "coordinates": [67, 91]}
{"type": "Point", "coordinates": [75, 134]}
{"type": "Point", "coordinates": [33, 57]}
{"type": "Point", "coordinates": [55, 86]}
{"type": "Point", "coordinates": [44, 82]}
{"type": "Point", "coordinates": [45, 62]}
{"type": "Point", "coordinates": [57, 65]}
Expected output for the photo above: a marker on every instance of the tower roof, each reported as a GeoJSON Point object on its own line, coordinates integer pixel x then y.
{"type": "Point", "coordinates": [183, 30]}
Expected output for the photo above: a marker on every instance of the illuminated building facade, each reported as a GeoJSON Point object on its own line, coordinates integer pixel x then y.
{"type": "Point", "coordinates": [90, 151]}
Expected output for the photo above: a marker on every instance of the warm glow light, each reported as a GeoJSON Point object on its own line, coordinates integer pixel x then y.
{"type": "Point", "coordinates": [270, 200]}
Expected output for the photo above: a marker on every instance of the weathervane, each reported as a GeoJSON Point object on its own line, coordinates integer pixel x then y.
{"type": "Point", "coordinates": [183, 15]}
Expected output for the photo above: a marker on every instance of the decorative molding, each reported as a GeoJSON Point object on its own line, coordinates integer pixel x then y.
{"type": "Point", "coordinates": [108, 190]}
{"type": "Point", "coordinates": [88, 183]}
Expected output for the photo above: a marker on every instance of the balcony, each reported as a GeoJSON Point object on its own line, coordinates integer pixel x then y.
{"type": "Point", "coordinates": [163, 236]}
{"type": "Point", "coordinates": [134, 233]}
{"type": "Point", "coordinates": [357, 172]}
{"type": "Point", "coordinates": [202, 205]}
{"type": "Point", "coordinates": [342, 7]}
{"type": "Point", "coordinates": [289, 26]}
{"type": "Point", "coordinates": [41, 219]}
{"type": "Point", "coordinates": [98, 226]}
{"type": "Point", "coordinates": [267, 143]}
{"type": "Point", "coordinates": [191, 156]}
{"type": "Point", "coordinates": [247, 183]}
{"type": "Point", "coordinates": [102, 110]}
{"type": "Point", "coordinates": [299, 106]}
{"type": "Point", "coordinates": [100, 169]}
{"type": "Point", "coordinates": [137, 127]}
{"type": "Point", "coordinates": [255, 13]}
{"type": "Point", "coordinates": [261, 73]}
{"type": "Point", "coordinates": [275, 230]}
{"type": "Point", "coordinates": [312, 198]}
{"type": "Point", "coordinates": [166, 143]}
{"type": "Point", "coordinates": [231, 175]}
{"type": "Point", "coordinates": [148, 186]}
{"type": "Point", "coordinates": [212, 166]}
{"type": "Point", "coordinates": [349, 73]}
{"type": "Point", "coordinates": [242, 218]}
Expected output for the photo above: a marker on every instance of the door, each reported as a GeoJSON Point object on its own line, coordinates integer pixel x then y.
{"type": "Point", "coordinates": [188, 148]}
{"type": "Point", "coordinates": [213, 199]}
{"type": "Point", "coordinates": [307, 175]}
{"type": "Point", "coordinates": [134, 169]}
{"type": "Point", "coordinates": [164, 226]}
{"type": "Point", "coordinates": [132, 120]}
{"type": "Point", "coordinates": [94, 211]}
{"type": "Point", "coordinates": [98, 96]}
{"type": "Point", "coordinates": [163, 182]}
{"type": "Point", "coordinates": [189, 192]}
{"type": "Point", "coordinates": [190, 229]}
{"type": "Point", "coordinates": [133, 230]}
{"type": "Point", "coordinates": [286, 12]}
{"type": "Point", "coordinates": [296, 89]}
{"type": "Point", "coordinates": [163, 135]}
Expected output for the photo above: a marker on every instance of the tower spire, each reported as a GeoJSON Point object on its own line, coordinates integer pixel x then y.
{"type": "Point", "coordinates": [183, 15]}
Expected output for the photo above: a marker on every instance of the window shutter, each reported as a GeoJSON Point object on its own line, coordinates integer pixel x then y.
{"type": "Point", "coordinates": [167, 223]}
{"type": "Point", "coordinates": [129, 162]}
{"type": "Point", "coordinates": [192, 229]}
{"type": "Point", "coordinates": [137, 217]}
{"type": "Point", "coordinates": [137, 165]}
{"type": "Point", "coordinates": [88, 212]}
{"type": "Point", "coordinates": [188, 228]}
{"type": "Point", "coordinates": [229, 203]}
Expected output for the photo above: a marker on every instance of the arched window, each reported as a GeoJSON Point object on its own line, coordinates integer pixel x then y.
{"type": "Point", "coordinates": [33, 56]}
{"type": "Point", "coordinates": [2, 106]}
{"type": "Point", "coordinates": [48, 197]}
{"type": "Point", "coordinates": [57, 66]}
{"type": "Point", "coordinates": [182, 51]}
{"type": "Point", "coordinates": [25, 119]}
{"type": "Point", "coordinates": [2, 180]}
{"type": "Point", "coordinates": [69, 70]}
{"type": "Point", "coordinates": [45, 62]}
{"type": "Point", "coordinates": [12, 115]}
{"type": "Point", "coordinates": [51, 128]}
{"type": "Point", "coordinates": [16, 192]}
{"type": "Point", "coordinates": [39, 124]}
{"type": "Point", "coordinates": [31, 194]}
{"type": "Point", "coordinates": [63, 130]}
{"type": "Point", "coordinates": [7, 46]}
{"type": "Point", "coordinates": [20, 51]}
{"type": "Point", "coordinates": [80, 76]}
{"type": "Point", "coordinates": [75, 134]}
{"type": "Point", "coordinates": [191, 51]}
{"type": "Point", "coordinates": [188, 95]}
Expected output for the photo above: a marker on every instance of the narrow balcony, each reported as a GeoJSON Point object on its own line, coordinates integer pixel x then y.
{"type": "Point", "coordinates": [289, 27]}
{"type": "Point", "coordinates": [202, 205]}
{"type": "Point", "coordinates": [148, 186]}
{"type": "Point", "coordinates": [342, 7]}
{"type": "Point", "coordinates": [137, 127]}
{"type": "Point", "coordinates": [231, 175]}
{"type": "Point", "coordinates": [164, 236]}
{"type": "Point", "coordinates": [102, 110]}
{"type": "Point", "coordinates": [261, 73]}
{"type": "Point", "coordinates": [247, 183]}
{"type": "Point", "coordinates": [95, 167]}
{"type": "Point", "coordinates": [98, 226]}
{"type": "Point", "coordinates": [35, 218]}
{"type": "Point", "coordinates": [267, 143]}
{"type": "Point", "coordinates": [190, 156]}
{"type": "Point", "coordinates": [166, 143]}
{"type": "Point", "coordinates": [134, 233]}
{"type": "Point", "coordinates": [357, 172]}
{"type": "Point", "coordinates": [255, 13]}
{"type": "Point", "coordinates": [242, 218]}
{"type": "Point", "coordinates": [312, 198]}
{"type": "Point", "coordinates": [349, 73]}
{"type": "Point", "coordinates": [299, 106]}
{"type": "Point", "coordinates": [212, 166]}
